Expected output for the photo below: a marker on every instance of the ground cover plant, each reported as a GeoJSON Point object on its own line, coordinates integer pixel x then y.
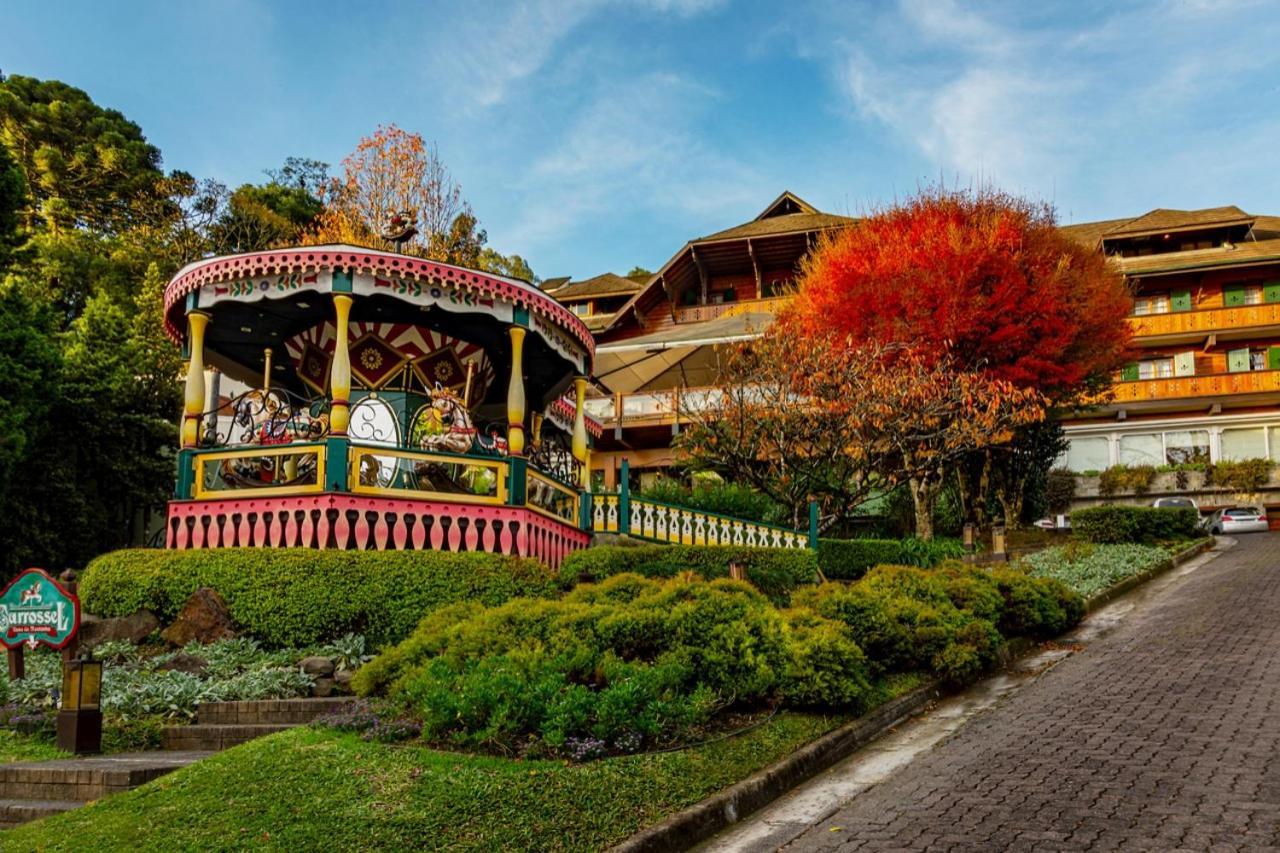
{"type": "Point", "coordinates": [1090, 569]}
{"type": "Point", "coordinates": [293, 597]}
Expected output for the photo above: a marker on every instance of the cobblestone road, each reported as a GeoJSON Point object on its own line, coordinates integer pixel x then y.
{"type": "Point", "coordinates": [1162, 735]}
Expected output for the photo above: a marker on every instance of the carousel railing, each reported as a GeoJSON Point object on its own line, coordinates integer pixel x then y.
{"type": "Point", "coordinates": [467, 478]}
{"type": "Point", "coordinates": [293, 468]}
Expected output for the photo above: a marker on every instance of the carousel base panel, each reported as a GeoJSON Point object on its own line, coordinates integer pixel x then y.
{"type": "Point", "coordinates": [352, 522]}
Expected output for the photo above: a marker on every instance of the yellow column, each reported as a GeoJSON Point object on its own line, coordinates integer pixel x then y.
{"type": "Point", "coordinates": [340, 370]}
{"type": "Point", "coordinates": [580, 450]}
{"type": "Point", "coordinates": [193, 399]}
{"type": "Point", "coordinates": [515, 393]}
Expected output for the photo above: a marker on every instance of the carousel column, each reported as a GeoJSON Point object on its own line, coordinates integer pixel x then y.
{"type": "Point", "coordinates": [339, 387]}
{"type": "Point", "coordinates": [515, 413]}
{"type": "Point", "coordinates": [193, 403]}
{"type": "Point", "coordinates": [582, 450]}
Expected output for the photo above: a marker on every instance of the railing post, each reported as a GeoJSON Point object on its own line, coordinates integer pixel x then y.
{"type": "Point", "coordinates": [518, 480]}
{"type": "Point", "coordinates": [186, 474]}
{"type": "Point", "coordinates": [624, 498]}
{"type": "Point", "coordinates": [585, 509]}
{"type": "Point", "coordinates": [813, 525]}
{"type": "Point", "coordinates": [336, 467]}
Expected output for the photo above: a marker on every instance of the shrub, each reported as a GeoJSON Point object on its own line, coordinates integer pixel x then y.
{"type": "Point", "coordinates": [731, 499]}
{"type": "Point", "coordinates": [299, 597]}
{"type": "Point", "coordinates": [1059, 489]}
{"type": "Point", "coordinates": [1123, 479]}
{"type": "Point", "coordinates": [774, 571]}
{"type": "Point", "coordinates": [849, 559]}
{"type": "Point", "coordinates": [1246, 475]}
{"type": "Point", "coordinates": [1115, 523]}
{"type": "Point", "coordinates": [614, 667]}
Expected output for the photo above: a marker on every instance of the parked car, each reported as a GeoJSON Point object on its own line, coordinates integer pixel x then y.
{"type": "Point", "coordinates": [1238, 519]}
{"type": "Point", "coordinates": [1177, 501]}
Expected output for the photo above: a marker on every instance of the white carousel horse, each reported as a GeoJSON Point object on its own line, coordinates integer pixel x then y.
{"type": "Point", "coordinates": [449, 428]}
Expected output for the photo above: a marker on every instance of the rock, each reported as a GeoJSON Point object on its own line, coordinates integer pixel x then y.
{"type": "Point", "coordinates": [204, 619]}
{"type": "Point", "coordinates": [323, 687]}
{"type": "Point", "coordinates": [317, 666]}
{"type": "Point", "coordinates": [135, 628]}
{"type": "Point", "coordinates": [182, 662]}
{"type": "Point", "coordinates": [342, 680]}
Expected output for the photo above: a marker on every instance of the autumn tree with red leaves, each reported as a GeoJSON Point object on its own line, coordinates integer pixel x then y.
{"type": "Point", "coordinates": [986, 280]}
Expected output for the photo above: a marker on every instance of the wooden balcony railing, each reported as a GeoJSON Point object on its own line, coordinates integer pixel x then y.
{"type": "Point", "coordinates": [1214, 385]}
{"type": "Point", "coordinates": [699, 313]}
{"type": "Point", "coordinates": [657, 406]}
{"type": "Point", "coordinates": [1205, 321]}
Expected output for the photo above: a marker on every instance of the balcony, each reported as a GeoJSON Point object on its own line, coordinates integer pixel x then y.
{"type": "Point", "coordinates": [1195, 325]}
{"type": "Point", "coordinates": [648, 407]}
{"type": "Point", "coordinates": [701, 313]}
{"type": "Point", "coordinates": [1191, 387]}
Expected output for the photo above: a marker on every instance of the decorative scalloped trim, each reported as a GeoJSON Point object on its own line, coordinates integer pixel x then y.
{"type": "Point", "coordinates": [567, 409]}
{"type": "Point", "coordinates": [373, 261]}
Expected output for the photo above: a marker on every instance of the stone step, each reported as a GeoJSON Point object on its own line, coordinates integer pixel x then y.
{"type": "Point", "coordinates": [14, 812]}
{"type": "Point", "coordinates": [215, 737]}
{"type": "Point", "coordinates": [85, 779]}
{"type": "Point", "coordinates": [268, 711]}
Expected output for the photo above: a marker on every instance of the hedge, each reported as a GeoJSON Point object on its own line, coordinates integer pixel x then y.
{"type": "Point", "coordinates": [774, 571]}
{"type": "Point", "coordinates": [1115, 524]}
{"type": "Point", "coordinates": [849, 559]}
{"type": "Point", "coordinates": [298, 596]}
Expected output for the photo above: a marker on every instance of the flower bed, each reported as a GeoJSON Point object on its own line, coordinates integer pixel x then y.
{"type": "Point", "coordinates": [1092, 569]}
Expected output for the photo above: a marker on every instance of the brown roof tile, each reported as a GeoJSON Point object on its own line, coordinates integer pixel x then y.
{"type": "Point", "coordinates": [1164, 220]}
{"type": "Point", "coordinates": [607, 284]}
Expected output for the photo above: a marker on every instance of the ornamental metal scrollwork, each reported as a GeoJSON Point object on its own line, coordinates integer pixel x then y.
{"type": "Point", "coordinates": [265, 418]}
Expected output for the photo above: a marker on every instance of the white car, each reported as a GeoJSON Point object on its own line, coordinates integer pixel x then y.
{"type": "Point", "coordinates": [1238, 519]}
{"type": "Point", "coordinates": [1187, 503]}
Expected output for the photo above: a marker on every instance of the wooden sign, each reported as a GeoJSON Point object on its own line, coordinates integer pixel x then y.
{"type": "Point", "coordinates": [36, 610]}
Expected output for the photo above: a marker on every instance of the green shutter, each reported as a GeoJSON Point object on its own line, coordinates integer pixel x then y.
{"type": "Point", "coordinates": [1180, 300]}
{"type": "Point", "coordinates": [1271, 291]}
{"type": "Point", "coordinates": [1273, 358]}
{"type": "Point", "coordinates": [1129, 373]}
{"type": "Point", "coordinates": [1238, 360]}
{"type": "Point", "coordinates": [1184, 364]}
{"type": "Point", "coordinates": [1233, 294]}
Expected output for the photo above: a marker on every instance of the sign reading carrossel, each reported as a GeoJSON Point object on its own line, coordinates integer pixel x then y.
{"type": "Point", "coordinates": [37, 610]}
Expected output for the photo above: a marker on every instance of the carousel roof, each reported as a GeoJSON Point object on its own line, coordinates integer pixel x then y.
{"type": "Point", "coordinates": [304, 259]}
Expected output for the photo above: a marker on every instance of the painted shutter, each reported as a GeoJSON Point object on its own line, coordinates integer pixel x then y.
{"type": "Point", "coordinates": [1180, 300]}
{"type": "Point", "coordinates": [1273, 358]}
{"type": "Point", "coordinates": [1233, 294]}
{"type": "Point", "coordinates": [1129, 373]}
{"type": "Point", "coordinates": [1184, 363]}
{"type": "Point", "coordinates": [1271, 291]}
{"type": "Point", "coordinates": [1238, 360]}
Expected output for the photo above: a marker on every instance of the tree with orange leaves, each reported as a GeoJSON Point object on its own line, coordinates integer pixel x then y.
{"type": "Point", "coordinates": [389, 172]}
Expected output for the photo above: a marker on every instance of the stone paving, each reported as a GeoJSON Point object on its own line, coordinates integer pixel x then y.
{"type": "Point", "coordinates": [1161, 735]}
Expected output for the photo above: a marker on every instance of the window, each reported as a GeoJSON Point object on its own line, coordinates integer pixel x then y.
{"type": "Point", "coordinates": [1157, 303]}
{"type": "Point", "coordinates": [1087, 454]}
{"type": "Point", "coordinates": [1186, 446]}
{"type": "Point", "coordinates": [1274, 434]}
{"type": "Point", "coordinates": [1155, 368]}
{"type": "Point", "coordinates": [1257, 359]}
{"type": "Point", "coordinates": [1241, 293]}
{"type": "Point", "coordinates": [1244, 443]}
{"type": "Point", "coordinates": [582, 309]}
{"type": "Point", "coordinates": [1142, 449]}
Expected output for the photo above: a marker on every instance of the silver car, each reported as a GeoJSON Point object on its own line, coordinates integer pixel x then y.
{"type": "Point", "coordinates": [1238, 519]}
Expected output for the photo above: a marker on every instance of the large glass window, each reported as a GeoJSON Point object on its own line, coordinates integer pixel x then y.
{"type": "Point", "coordinates": [1181, 448]}
{"type": "Point", "coordinates": [1244, 443]}
{"type": "Point", "coordinates": [1142, 449]}
{"type": "Point", "coordinates": [1155, 368]}
{"type": "Point", "coordinates": [1274, 433]}
{"type": "Point", "coordinates": [1155, 304]}
{"type": "Point", "coordinates": [1091, 453]}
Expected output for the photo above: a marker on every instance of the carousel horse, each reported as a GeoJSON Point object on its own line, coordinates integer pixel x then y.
{"type": "Point", "coordinates": [266, 421]}
{"type": "Point", "coordinates": [453, 431]}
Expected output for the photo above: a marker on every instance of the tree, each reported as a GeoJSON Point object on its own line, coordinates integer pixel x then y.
{"type": "Point", "coordinates": [512, 266]}
{"type": "Point", "coordinates": [639, 271]}
{"type": "Point", "coordinates": [1020, 473]}
{"type": "Point", "coordinates": [389, 172]}
{"type": "Point", "coordinates": [13, 198]}
{"type": "Point", "coordinates": [983, 276]}
{"type": "Point", "coordinates": [841, 421]}
{"type": "Point", "coordinates": [85, 166]}
{"type": "Point", "coordinates": [264, 216]}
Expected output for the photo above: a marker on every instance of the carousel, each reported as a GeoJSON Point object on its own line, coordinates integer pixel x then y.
{"type": "Point", "coordinates": [343, 397]}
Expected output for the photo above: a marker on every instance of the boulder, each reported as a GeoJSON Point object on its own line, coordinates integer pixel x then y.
{"type": "Point", "coordinates": [135, 628]}
{"type": "Point", "coordinates": [182, 662]}
{"type": "Point", "coordinates": [322, 687]}
{"type": "Point", "coordinates": [317, 666]}
{"type": "Point", "coordinates": [342, 681]}
{"type": "Point", "coordinates": [204, 618]}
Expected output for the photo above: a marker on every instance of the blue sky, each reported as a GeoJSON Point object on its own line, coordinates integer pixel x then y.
{"type": "Point", "coordinates": [593, 135]}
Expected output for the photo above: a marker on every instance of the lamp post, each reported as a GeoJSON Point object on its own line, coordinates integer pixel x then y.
{"type": "Point", "coordinates": [998, 551]}
{"type": "Point", "coordinates": [80, 715]}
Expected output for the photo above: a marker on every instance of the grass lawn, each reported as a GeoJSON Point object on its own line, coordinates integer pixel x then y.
{"type": "Point", "coordinates": [20, 747]}
{"type": "Point", "coordinates": [310, 789]}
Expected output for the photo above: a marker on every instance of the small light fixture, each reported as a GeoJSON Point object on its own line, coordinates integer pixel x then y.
{"type": "Point", "coordinates": [998, 542]}
{"type": "Point", "coordinates": [304, 304]}
{"type": "Point", "coordinates": [80, 714]}
{"type": "Point", "coordinates": [246, 330]}
{"type": "Point", "coordinates": [970, 537]}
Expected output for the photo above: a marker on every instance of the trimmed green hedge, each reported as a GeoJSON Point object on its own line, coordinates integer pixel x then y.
{"type": "Point", "coordinates": [1115, 524]}
{"type": "Point", "coordinates": [298, 596]}
{"type": "Point", "coordinates": [774, 571]}
{"type": "Point", "coordinates": [850, 559]}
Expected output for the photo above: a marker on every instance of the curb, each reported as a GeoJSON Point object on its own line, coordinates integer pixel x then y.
{"type": "Point", "coordinates": [1112, 593]}
{"type": "Point", "coordinates": [700, 821]}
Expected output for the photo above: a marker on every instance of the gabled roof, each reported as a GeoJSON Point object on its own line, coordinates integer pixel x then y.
{"type": "Point", "coordinates": [606, 284]}
{"type": "Point", "coordinates": [550, 284]}
{"type": "Point", "coordinates": [1166, 220]}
